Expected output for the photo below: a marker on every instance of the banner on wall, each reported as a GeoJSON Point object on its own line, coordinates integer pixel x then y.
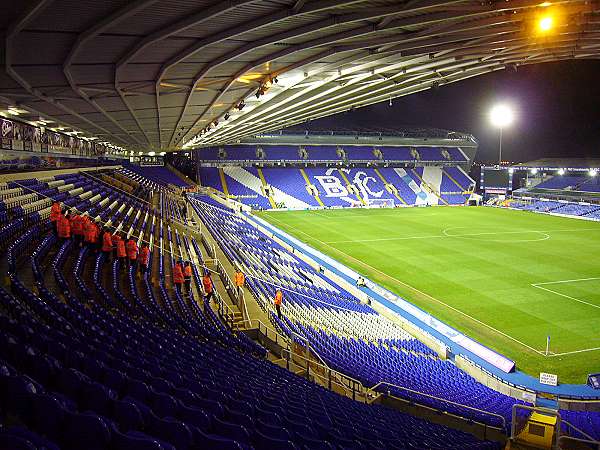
{"type": "Point", "coordinates": [44, 141]}
{"type": "Point", "coordinates": [24, 137]}
{"type": "Point", "coordinates": [6, 134]}
{"type": "Point", "coordinates": [17, 140]}
{"type": "Point", "coordinates": [28, 132]}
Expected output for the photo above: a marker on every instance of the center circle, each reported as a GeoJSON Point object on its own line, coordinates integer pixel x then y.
{"type": "Point", "coordinates": [492, 236]}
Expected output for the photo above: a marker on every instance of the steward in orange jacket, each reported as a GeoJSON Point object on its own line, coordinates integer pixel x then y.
{"type": "Point", "coordinates": [77, 228]}
{"type": "Point", "coordinates": [278, 300]}
{"type": "Point", "coordinates": [239, 280]}
{"type": "Point", "coordinates": [64, 227]}
{"type": "Point", "coordinates": [132, 252]}
{"type": "Point", "coordinates": [121, 254]}
{"type": "Point", "coordinates": [55, 213]}
{"type": "Point", "coordinates": [187, 275]}
{"type": "Point", "coordinates": [107, 243]}
{"type": "Point", "coordinates": [89, 233]}
{"type": "Point", "coordinates": [144, 257]}
{"type": "Point", "coordinates": [177, 276]}
{"type": "Point", "coordinates": [208, 286]}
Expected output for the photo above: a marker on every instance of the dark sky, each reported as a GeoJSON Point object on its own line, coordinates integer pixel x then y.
{"type": "Point", "coordinates": [557, 104]}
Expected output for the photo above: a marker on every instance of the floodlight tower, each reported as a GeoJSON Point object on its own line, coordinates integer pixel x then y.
{"type": "Point", "coordinates": [501, 116]}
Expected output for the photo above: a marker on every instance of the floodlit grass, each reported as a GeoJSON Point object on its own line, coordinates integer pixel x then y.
{"type": "Point", "coordinates": [488, 272]}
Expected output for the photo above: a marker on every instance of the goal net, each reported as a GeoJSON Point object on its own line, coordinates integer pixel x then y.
{"type": "Point", "coordinates": [380, 202]}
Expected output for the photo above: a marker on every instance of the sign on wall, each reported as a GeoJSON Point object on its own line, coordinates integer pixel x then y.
{"type": "Point", "coordinates": [548, 378]}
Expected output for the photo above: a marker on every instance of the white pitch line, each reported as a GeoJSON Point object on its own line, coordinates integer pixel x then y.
{"type": "Point", "coordinates": [574, 351]}
{"type": "Point", "coordinates": [419, 291]}
{"type": "Point", "coordinates": [445, 235]}
{"type": "Point", "coordinates": [566, 281]}
{"type": "Point", "coordinates": [566, 296]}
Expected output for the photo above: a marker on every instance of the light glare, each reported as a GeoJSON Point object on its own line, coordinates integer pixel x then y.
{"type": "Point", "coordinates": [593, 172]}
{"type": "Point", "coordinates": [561, 171]}
{"type": "Point", "coordinates": [546, 23]}
{"type": "Point", "coordinates": [501, 116]}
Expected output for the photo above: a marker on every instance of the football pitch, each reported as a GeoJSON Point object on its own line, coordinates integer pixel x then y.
{"type": "Point", "coordinates": [506, 278]}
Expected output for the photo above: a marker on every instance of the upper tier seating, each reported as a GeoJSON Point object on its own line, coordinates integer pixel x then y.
{"type": "Point", "coordinates": [561, 182]}
{"type": "Point", "coordinates": [290, 185]}
{"type": "Point", "coordinates": [158, 174]}
{"type": "Point", "coordinates": [348, 335]}
{"type": "Point", "coordinates": [328, 153]}
{"type": "Point", "coordinates": [587, 211]}
{"type": "Point", "coordinates": [103, 360]}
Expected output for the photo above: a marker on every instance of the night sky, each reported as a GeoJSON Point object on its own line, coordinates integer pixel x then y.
{"type": "Point", "coordinates": [557, 107]}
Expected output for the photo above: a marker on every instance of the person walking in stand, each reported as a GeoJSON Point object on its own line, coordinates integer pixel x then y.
{"type": "Point", "coordinates": [178, 276]}
{"type": "Point", "coordinates": [97, 235]}
{"type": "Point", "coordinates": [64, 227]}
{"type": "Point", "coordinates": [240, 279]}
{"type": "Point", "coordinates": [77, 229]}
{"type": "Point", "coordinates": [89, 234]}
{"type": "Point", "coordinates": [144, 258]}
{"type": "Point", "coordinates": [121, 253]}
{"type": "Point", "coordinates": [208, 286]}
{"type": "Point", "coordinates": [115, 239]}
{"type": "Point", "coordinates": [55, 213]}
{"type": "Point", "coordinates": [107, 244]}
{"type": "Point", "coordinates": [278, 300]}
{"type": "Point", "coordinates": [132, 252]}
{"type": "Point", "coordinates": [187, 276]}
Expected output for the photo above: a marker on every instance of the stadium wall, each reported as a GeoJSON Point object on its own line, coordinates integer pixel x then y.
{"type": "Point", "coordinates": [49, 173]}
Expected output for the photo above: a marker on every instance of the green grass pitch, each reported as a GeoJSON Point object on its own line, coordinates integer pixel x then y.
{"type": "Point", "coordinates": [506, 278]}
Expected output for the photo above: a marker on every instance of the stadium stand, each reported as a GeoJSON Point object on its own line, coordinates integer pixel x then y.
{"type": "Point", "coordinates": [333, 187]}
{"type": "Point", "coordinates": [583, 210]}
{"type": "Point", "coordinates": [100, 360]}
{"type": "Point", "coordinates": [159, 174]}
{"type": "Point", "coordinates": [350, 336]}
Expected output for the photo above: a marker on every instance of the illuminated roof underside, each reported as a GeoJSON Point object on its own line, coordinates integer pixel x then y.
{"type": "Point", "coordinates": [158, 75]}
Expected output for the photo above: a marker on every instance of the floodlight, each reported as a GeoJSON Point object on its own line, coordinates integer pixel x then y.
{"type": "Point", "coordinates": [501, 116]}
{"type": "Point", "coordinates": [561, 171]}
{"type": "Point", "coordinates": [546, 23]}
{"type": "Point", "coordinates": [151, 153]}
{"type": "Point", "coordinates": [593, 172]}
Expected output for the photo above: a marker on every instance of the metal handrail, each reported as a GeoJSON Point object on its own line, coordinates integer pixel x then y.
{"type": "Point", "coordinates": [350, 383]}
{"type": "Point", "coordinates": [564, 437]}
{"type": "Point", "coordinates": [381, 383]}
{"type": "Point", "coordinates": [583, 433]}
{"type": "Point", "coordinates": [310, 348]}
{"type": "Point", "coordinates": [245, 314]}
{"type": "Point", "coordinates": [229, 314]}
{"type": "Point", "coordinates": [278, 335]}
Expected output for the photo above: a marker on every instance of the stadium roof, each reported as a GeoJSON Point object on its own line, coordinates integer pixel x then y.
{"type": "Point", "coordinates": [156, 74]}
{"type": "Point", "coordinates": [558, 163]}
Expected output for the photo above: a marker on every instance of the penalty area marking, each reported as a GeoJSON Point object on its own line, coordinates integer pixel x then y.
{"type": "Point", "coordinates": [541, 286]}
{"type": "Point", "coordinates": [362, 263]}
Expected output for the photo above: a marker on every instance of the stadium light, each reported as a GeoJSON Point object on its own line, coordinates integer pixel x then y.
{"type": "Point", "coordinates": [501, 116]}
{"type": "Point", "coordinates": [545, 24]}
{"type": "Point", "coordinates": [593, 172]}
